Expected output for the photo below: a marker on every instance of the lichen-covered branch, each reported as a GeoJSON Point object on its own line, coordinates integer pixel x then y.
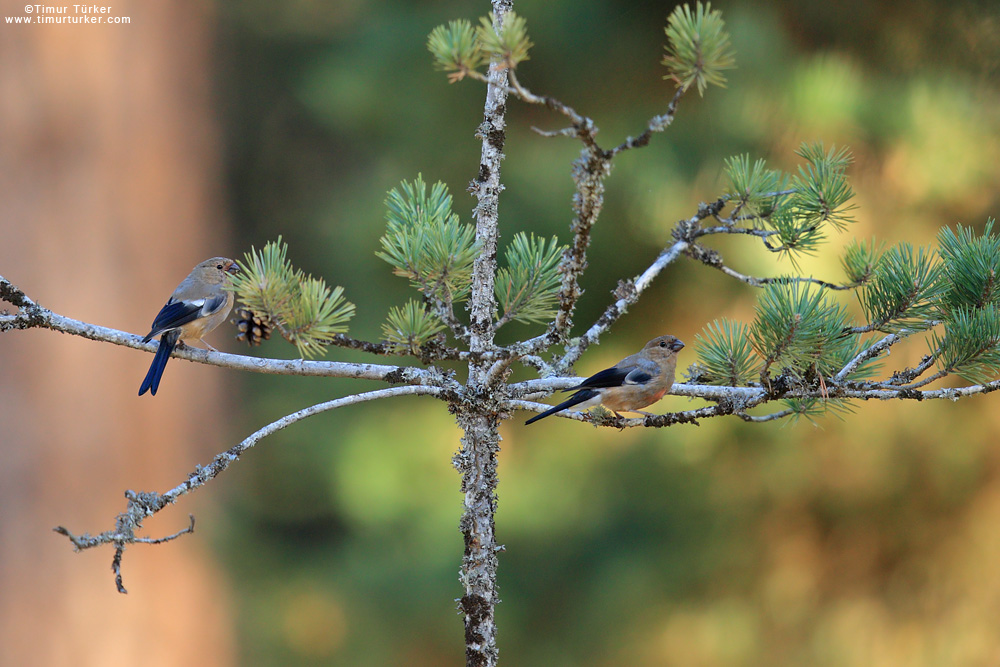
{"type": "Point", "coordinates": [865, 355]}
{"type": "Point", "coordinates": [737, 400]}
{"type": "Point", "coordinates": [476, 415]}
{"type": "Point", "coordinates": [32, 315]}
{"type": "Point", "coordinates": [656, 124]}
{"type": "Point", "coordinates": [142, 505]}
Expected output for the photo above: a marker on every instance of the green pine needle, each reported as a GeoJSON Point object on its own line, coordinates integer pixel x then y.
{"type": "Point", "coordinates": [822, 192]}
{"type": "Point", "coordinates": [971, 344]}
{"type": "Point", "coordinates": [303, 309]}
{"type": "Point", "coordinates": [835, 159]}
{"type": "Point", "coordinates": [527, 288]}
{"type": "Point", "coordinates": [455, 49]}
{"type": "Point", "coordinates": [411, 326]}
{"type": "Point", "coordinates": [425, 242]}
{"type": "Point", "coordinates": [725, 355]}
{"type": "Point", "coordinates": [814, 408]}
{"type": "Point", "coordinates": [753, 188]}
{"type": "Point", "coordinates": [798, 327]}
{"type": "Point", "coordinates": [698, 48]}
{"type": "Point", "coordinates": [904, 290]}
{"type": "Point", "coordinates": [511, 45]}
{"type": "Point", "coordinates": [972, 267]}
{"type": "Point", "coordinates": [860, 259]}
{"type": "Point", "coordinates": [797, 236]}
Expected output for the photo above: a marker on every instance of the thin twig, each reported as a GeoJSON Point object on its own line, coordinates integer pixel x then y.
{"type": "Point", "coordinates": [711, 257]}
{"type": "Point", "coordinates": [167, 538]}
{"type": "Point", "coordinates": [758, 419]}
{"type": "Point", "coordinates": [726, 229]}
{"type": "Point", "coordinates": [427, 353]}
{"type": "Point", "coordinates": [903, 377]}
{"type": "Point", "coordinates": [656, 124]}
{"type": "Point", "coordinates": [927, 380]}
{"type": "Point", "coordinates": [446, 312]}
{"type": "Point", "coordinates": [589, 173]}
{"type": "Point", "coordinates": [865, 355]}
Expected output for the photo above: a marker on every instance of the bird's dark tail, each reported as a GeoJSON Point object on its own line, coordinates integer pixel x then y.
{"type": "Point", "coordinates": [575, 399]}
{"type": "Point", "coordinates": [155, 372]}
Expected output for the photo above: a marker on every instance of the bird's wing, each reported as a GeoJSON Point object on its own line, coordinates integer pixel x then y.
{"type": "Point", "coordinates": [177, 313]}
{"type": "Point", "coordinates": [615, 376]}
{"type": "Point", "coordinates": [609, 377]}
{"type": "Point", "coordinates": [642, 372]}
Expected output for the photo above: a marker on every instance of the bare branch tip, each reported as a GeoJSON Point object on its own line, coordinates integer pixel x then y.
{"type": "Point", "coordinates": [116, 567]}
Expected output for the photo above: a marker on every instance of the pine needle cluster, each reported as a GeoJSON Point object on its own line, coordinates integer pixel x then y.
{"type": "Point", "coordinates": [461, 50]}
{"type": "Point", "coordinates": [795, 210]}
{"type": "Point", "coordinates": [428, 244]}
{"type": "Point", "coordinates": [303, 309]}
{"type": "Point", "coordinates": [409, 327]}
{"type": "Point", "coordinates": [970, 304]}
{"type": "Point", "coordinates": [950, 294]}
{"type": "Point", "coordinates": [698, 48]}
{"type": "Point", "coordinates": [527, 287]}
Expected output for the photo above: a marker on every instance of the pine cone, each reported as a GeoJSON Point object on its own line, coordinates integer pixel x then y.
{"type": "Point", "coordinates": [254, 329]}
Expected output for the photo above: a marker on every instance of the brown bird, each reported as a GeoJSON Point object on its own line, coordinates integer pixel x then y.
{"type": "Point", "coordinates": [198, 305]}
{"type": "Point", "coordinates": [636, 381]}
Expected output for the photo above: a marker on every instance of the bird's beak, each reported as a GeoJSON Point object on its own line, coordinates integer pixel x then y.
{"type": "Point", "coordinates": [233, 268]}
{"type": "Point", "coordinates": [677, 345]}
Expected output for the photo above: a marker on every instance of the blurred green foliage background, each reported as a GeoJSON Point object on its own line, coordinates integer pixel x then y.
{"type": "Point", "coordinates": [867, 540]}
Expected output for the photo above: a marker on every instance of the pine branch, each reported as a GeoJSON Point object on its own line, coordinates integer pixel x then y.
{"type": "Point", "coordinates": [906, 376]}
{"type": "Point", "coordinates": [865, 355]}
{"type": "Point", "coordinates": [426, 243]}
{"type": "Point", "coordinates": [656, 124]}
{"type": "Point", "coordinates": [734, 400]}
{"type": "Point", "coordinates": [902, 291]}
{"type": "Point", "coordinates": [427, 352]}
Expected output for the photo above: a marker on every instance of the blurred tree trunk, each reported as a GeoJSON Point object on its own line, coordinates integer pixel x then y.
{"type": "Point", "coordinates": [108, 183]}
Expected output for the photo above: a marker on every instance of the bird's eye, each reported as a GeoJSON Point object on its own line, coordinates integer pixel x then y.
{"type": "Point", "coordinates": [663, 343]}
{"type": "Point", "coordinates": [218, 266]}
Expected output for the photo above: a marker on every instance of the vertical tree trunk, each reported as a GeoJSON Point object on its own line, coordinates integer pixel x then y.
{"type": "Point", "coordinates": [478, 464]}
{"type": "Point", "coordinates": [477, 459]}
{"type": "Point", "coordinates": [108, 167]}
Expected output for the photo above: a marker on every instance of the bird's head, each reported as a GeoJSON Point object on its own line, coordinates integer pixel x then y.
{"type": "Point", "coordinates": [664, 346]}
{"type": "Point", "coordinates": [215, 271]}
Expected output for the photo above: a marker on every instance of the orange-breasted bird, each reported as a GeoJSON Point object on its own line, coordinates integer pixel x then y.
{"type": "Point", "coordinates": [198, 305]}
{"type": "Point", "coordinates": [636, 381]}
